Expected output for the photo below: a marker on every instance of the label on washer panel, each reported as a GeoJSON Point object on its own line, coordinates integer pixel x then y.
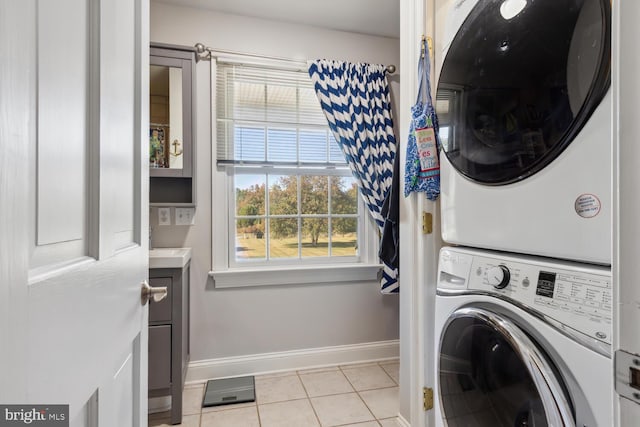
{"type": "Point", "coordinates": [546, 284]}
{"type": "Point", "coordinates": [587, 205]}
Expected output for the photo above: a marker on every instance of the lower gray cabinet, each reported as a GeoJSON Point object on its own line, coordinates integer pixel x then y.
{"type": "Point", "coordinates": [169, 337]}
{"type": "Point", "coordinates": [159, 357]}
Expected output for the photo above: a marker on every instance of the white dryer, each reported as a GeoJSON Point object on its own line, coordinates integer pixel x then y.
{"type": "Point", "coordinates": [521, 341]}
{"type": "Point", "coordinates": [525, 123]}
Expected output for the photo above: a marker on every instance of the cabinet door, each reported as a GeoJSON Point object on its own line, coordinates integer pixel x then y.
{"type": "Point", "coordinates": [161, 311]}
{"type": "Point", "coordinates": [159, 357]}
{"type": "Point", "coordinates": [171, 113]}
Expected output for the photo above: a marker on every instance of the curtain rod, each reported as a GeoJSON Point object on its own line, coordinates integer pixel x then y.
{"type": "Point", "coordinates": [204, 52]}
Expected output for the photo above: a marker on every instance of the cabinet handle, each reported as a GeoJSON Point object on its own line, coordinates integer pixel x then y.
{"type": "Point", "coordinates": [157, 293]}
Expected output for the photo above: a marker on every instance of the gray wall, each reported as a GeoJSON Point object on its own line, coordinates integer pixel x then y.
{"type": "Point", "coordinates": [255, 320]}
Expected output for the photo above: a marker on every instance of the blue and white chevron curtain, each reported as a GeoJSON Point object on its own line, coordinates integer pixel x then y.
{"type": "Point", "coordinates": [355, 99]}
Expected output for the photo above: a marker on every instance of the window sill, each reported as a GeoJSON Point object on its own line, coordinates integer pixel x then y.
{"type": "Point", "coordinates": [237, 278]}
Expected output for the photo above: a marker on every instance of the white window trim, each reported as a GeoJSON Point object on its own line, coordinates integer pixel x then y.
{"type": "Point", "coordinates": [295, 276]}
{"type": "Point", "coordinates": [226, 276]}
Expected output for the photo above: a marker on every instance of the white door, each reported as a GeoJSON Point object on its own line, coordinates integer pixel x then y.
{"type": "Point", "coordinates": [626, 269]}
{"type": "Point", "coordinates": [73, 216]}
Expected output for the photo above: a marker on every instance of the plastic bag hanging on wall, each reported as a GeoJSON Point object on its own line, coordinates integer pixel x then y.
{"type": "Point", "coordinates": [422, 168]}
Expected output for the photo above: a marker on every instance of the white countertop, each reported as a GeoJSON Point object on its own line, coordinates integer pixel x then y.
{"type": "Point", "coordinates": [169, 257]}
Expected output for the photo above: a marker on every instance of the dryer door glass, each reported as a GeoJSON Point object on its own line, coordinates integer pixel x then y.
{"type": "Point", "coordinates": [489, 378]}
{"type": "Point", "coordinates": [519, 81]}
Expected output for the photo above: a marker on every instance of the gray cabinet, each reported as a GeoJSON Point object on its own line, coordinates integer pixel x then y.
{"type": "Point", "coordinates": [169, 337]}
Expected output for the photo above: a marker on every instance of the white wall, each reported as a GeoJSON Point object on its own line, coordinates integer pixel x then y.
{"type": "Point", "coordinates": [246, 321]}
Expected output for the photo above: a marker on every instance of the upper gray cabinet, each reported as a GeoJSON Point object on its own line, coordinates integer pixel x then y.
{"type": "Point", "coordinates": [171, 126]}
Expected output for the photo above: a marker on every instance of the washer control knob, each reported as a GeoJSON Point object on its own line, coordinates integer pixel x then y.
{"type": "Point", "coordinates": [498, 276]}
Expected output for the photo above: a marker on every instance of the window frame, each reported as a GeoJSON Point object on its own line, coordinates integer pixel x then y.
{"type": "Point", "coordinates": [226, 272]}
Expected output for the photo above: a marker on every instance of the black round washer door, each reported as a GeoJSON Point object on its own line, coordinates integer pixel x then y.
{"type": "Point", "coordinates": [518, 83]}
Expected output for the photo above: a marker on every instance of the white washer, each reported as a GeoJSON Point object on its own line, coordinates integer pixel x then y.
{"type": "Point", "coordinates": [525, 123]}
{"type": "Point", "coordinates": [521, 341]}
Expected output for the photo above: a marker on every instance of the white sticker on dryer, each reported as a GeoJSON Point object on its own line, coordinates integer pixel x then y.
{"type": "Point", "coordinates": [587, 205]}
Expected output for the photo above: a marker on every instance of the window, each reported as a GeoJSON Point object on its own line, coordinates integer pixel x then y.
{"type": "Point", "coordinates": [293, 215]}
{"type": "Point", "coordinates": [291, 199]}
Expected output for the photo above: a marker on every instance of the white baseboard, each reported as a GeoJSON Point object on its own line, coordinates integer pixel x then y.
{"type": "Point", "coordinates": [203, 370]}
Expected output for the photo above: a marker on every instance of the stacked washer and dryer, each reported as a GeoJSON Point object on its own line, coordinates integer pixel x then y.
{"type": "Point", "coordinates": [524, 296]}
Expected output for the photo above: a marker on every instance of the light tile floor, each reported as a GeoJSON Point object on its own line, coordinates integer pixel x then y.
{"type": "Point", "coordinates": [363, 395]}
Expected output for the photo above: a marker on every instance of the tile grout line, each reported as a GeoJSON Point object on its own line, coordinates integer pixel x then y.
{"type": "Point", "coordinates": [353, 389]}
{"type": "Point", "coordinates": [258, 412]}
{"type": "Point", "coordinates": [387, 373]}
{"type": "Point", "coordinates": [204, 389]}
{"type": "Point", "coordinates": [309, 399]}
{"type": "Point", "coordinates": [382, 388]}
{"type": "Point", "coordinates": [227, 407]}
{"type": "Point", "coordinates": [376, 420]}
{"type": "Point", "coordinates": [365, 403]}
{"type": "Point", "coordinates": [356, 424]}
{"type": "Point", "coordinates": [255, 395]}
{"type": "Point", "coordinates": [375, 388]}
{"type": "Point", "coordinates": [360, 397]}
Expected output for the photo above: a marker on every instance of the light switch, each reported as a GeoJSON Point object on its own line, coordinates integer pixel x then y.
{"type": "Point", "coordinates": [164, 216]}
{"type": "Point", "coordinates": [184, 216]}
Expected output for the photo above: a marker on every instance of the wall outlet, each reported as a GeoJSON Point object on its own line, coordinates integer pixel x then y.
{"type": "Point", "coordinates": [184, 216]}
{"type": "Point", "coordinates": [164, 216]}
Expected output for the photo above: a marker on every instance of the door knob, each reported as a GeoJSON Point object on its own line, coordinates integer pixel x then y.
{"type": "Point", "coordinates": [157, 293]}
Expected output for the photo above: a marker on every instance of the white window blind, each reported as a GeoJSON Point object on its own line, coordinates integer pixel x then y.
{"type": "Point", "coordinates": [271, 117]}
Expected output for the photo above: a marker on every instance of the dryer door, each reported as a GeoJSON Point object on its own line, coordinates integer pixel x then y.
{"type": "Point", "coordinates": [518, 83]}
{"type": "Point", "coordinates": [491, 374]}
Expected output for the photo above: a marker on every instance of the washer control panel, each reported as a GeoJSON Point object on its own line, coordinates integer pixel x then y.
{"type": "Point", "coordinates": [575, 295]}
